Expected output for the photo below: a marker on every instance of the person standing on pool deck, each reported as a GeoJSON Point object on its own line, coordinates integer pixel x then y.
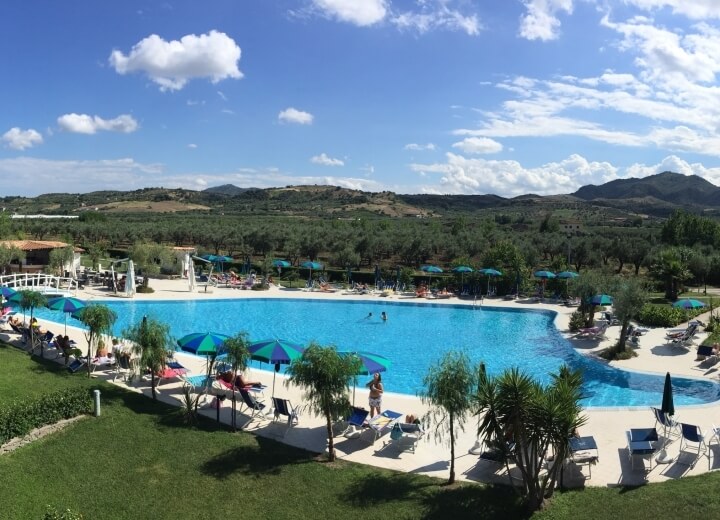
{"type": "Point", "coordinates": [376, 392]}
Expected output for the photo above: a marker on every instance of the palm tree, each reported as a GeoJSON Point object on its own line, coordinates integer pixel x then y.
{"type": "Point", "coordinates": [671, 267]}
{"type": "Point", "coordinates": [448, 389]}
{"type": "Point", "coordinates": [152, 341]}
{"type": "Point", "coordinates": [29, 300]}
{"type": "Point", "coordinates": [326, 377]}
{"type": "Point", "coordinates": [238, 356]}
{"type": "Point", "coordinates": [99, 320]}
{"type": "Point", "coordinates": [525, 420]}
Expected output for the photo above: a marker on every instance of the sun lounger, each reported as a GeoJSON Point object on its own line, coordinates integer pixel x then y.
{"type": "Point", "coordinates": [642, 442]}
{"type": "Point", "coordinates": [584, 452]}
{"type": "Point", "coordinates": [382, 423]}
{"type": "Point", "coordinates": [404, 436]}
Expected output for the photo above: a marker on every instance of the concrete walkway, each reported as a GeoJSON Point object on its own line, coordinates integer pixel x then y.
{"type": "Point", "coordinates": [608, 426]}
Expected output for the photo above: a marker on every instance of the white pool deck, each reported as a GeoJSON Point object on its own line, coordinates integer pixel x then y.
{"type": "Point", "coordinates": [608, 426]}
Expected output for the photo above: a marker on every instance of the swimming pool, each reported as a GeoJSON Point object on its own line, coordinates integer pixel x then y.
{"type": "Point", "coordinates": [414, 337]}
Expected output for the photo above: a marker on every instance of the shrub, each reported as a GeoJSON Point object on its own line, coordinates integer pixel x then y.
{"type": "Point", "coordinates": [53, 514]}
{"type": "Point", "coordinates": [144, 290]}
{"type": "Point", "coordinates": [19, 418]}
{"type": "Point", "coordinates": [577, 321]}
{"type": "Point", "coordinates": [660, 316]}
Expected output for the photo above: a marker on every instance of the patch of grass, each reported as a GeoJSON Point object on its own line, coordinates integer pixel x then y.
{"type": "Point", "coordinates": [138, 460]}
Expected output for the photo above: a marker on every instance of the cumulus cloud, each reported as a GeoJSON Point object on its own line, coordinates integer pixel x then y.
{"type": "Point", "coordinates": [86, 124]}
{"type": "Point", "coordinates": [541, 21]}
{"type": "Point", "coordinates": [461, 175]}
{"type": "Point", "coordinates": [477, 145]}
{"type": "Point", "coordinates": [19, 139]}
{"type": "Point", "coordinates": [420, 147]}
{"type": "Point", "coordinates": [171, 64]}
{"type": "Point", "coordinates": [364, 13]}
{"type": "Point", "coordinates": [293, 115]}
{"type": "Point", "coordinates": [324, 160]}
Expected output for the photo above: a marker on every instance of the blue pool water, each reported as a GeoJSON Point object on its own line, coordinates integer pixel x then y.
{"type": "Point", "coordinates": [413, 338]}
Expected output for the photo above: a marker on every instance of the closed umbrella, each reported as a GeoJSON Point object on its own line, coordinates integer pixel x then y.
{"type": "Point", "coordinates": [668, 408]}
{"type": "Point", "coordinates": [130, 280]}
{"type": "Point", "coordinates": [277, 352]}
{"type": "Point", "coordinates": [369, 364]}
{"type": "Point", "coordinates": [191, 276]}
{"type": "Point", "coordinates": [66, 304]}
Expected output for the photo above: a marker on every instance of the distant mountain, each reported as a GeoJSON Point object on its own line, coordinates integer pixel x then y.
{"type": "Point", "coordinates": [666, 187]}
{"type": "Point", "coordinates": [656, 195]}
{"type": "Point", "coordinates": [227, 189]}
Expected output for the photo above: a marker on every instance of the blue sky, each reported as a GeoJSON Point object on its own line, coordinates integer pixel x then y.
{"type": "Point", "coordinates": [414, 96]}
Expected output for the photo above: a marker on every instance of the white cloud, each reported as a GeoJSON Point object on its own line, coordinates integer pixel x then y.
{"type": "Point", "coordinates": [478, 145]}
{"type": "Point", "coordinates": [427, 15]}
{"type": "Point", "coordinates": [171, 64]}
{"type": "Point", "coordinates": [694, 9]}
{"type": "Point", "coordinates": [509, 178]}
{"type": "Point", "coordinates": [361, 13]}
{"type": "Point", "coordinates": [541, 21]}
{"type": "Point", "coordinates": [324, 160]}
{"type": "Point", "coordinates": [437, 15]}
{"type": "Point", "coordinates": [420, 147]}
{"type": "Point", "coordinates": [222, 95]}
{"type": "Point", "coordinates": [192, 146]}
{"type": "Point", "coordinates": [19, 139]}
{"type": "Point", "coordinates": [86, 124]}
{"type": "Point", "coordinates": [293, 115]}
{"type": "Point", "coordinates": [675, 164]}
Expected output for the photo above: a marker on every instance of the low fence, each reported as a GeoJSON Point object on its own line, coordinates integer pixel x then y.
{"type": "Point", "coordinates": [43, 283]}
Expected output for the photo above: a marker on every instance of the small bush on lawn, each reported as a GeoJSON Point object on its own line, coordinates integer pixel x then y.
{"type": "Point", "coordinates": [53, 514]}
{"type": "Point", "coordinates": [18, 418]}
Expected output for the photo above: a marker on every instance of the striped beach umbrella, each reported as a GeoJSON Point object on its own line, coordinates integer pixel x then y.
{"type": "Point", "coordinates": [68, 305]}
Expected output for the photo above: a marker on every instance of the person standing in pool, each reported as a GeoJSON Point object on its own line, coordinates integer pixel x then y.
{"type": "Point", "coordinates": [383, 316]}
{"type": "Point", "coordinates": [376, 392]}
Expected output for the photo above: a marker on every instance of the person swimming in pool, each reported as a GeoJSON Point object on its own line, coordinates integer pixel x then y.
{"type": "Point", "coordinates": [383, 316]}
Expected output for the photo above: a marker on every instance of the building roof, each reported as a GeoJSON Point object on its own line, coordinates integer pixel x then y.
{"type": "Point", "coordinates": [33, 245]}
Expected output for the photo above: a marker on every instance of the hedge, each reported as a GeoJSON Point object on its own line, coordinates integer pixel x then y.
{"type": "Point", "coordinates": [661, 316]}
{"type": "Point", "coordinates": [20, 417]}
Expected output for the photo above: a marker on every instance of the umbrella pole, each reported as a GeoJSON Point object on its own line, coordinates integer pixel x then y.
{"type": "Point", "coordinates": [65, 323]}
{"type": "Point", "coordinates": [354, 385]}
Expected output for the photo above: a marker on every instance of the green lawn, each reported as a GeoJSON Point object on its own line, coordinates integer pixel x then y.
{"type": "Point", "coordinates": [139, 461]}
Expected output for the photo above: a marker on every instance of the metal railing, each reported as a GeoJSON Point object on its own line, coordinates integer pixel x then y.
{"type": "Point", "coordinates": [44, 283]}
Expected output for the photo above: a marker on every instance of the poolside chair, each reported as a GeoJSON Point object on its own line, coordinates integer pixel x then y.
{"type": "Point", "coordinates": [683, 340]}
{"type": "Point", "coordinates": [666, 421]}
{"type": "Point", "coordinates": [255, 406]}
{"type": "Point", "coordinates": [642, 442]}
{"type": "Point", "coordinates": [596, 332]}
{"type": "Point", "coordinates": [76, 365]}
{"type": "Point", "coordinates": [694, 435]}
{"type": "Point", "coordinates": [383, 423]}
{"type": "Point", "coordinates": [283, 407]}
{"type": "Point", "coordinates": [355, 422]}
{"type": "Point", "coordinates": [706, 353]}
{"type": "Point", "coordinates": [405, 436]}
{"type": "Point", "coordinates": [172, 370]}
{"type": "Point", "coordinates": [584, 452]}
{"type": "Point", "coordinates": [123, 367]}
{"type": "Point", "coordinates": [689, 331]}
